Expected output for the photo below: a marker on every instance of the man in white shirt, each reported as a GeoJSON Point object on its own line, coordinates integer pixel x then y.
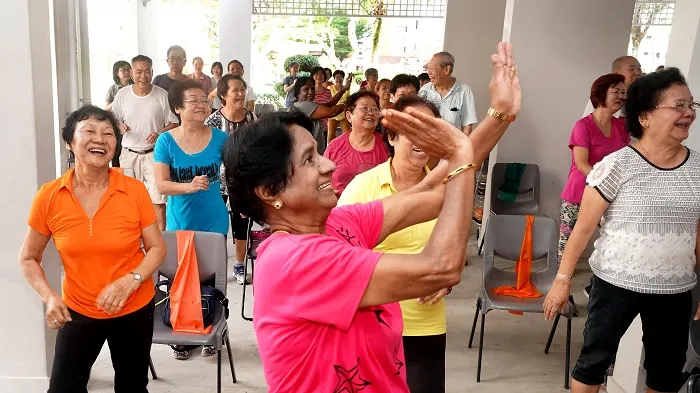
{"type": "Point", "coordinates": [627, 66]}
{"type": "Point", "coordinates": [144, 114]}
{"type": "Point", "coordinates": [455, 100]}
{"type": "Point", "coordinates": [235, 67]}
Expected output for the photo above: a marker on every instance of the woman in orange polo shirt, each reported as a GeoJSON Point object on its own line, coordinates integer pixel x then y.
{"type": "Point", "coordinates": [97, 218]}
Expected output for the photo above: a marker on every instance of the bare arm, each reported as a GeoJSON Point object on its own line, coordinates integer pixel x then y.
{"type": "Point", "coordinates": [30, 257]}
{"type": "Point", "coordinates": [168, 127]}
{"type": "Point", "coordinates": [581, 160]}
{"type": "Point", "coordinates": [212, 95]}
{"type": "Point", "coordinates": [154, 244]}
{"type": "Point", "coordinates": [399, 276]}
{"type": "Point", "coordinates": [324, 112]}
{"type": "Point", "coordinates": [467, 130]}
{"type": "Point", "coordinates": [108, 106]}
{"type": "Point", "coordinates": [288, 88]}
{"type": "Point", "coordinates": [251, 105]}
{"type": "Point", "coordinates": [167, 187]}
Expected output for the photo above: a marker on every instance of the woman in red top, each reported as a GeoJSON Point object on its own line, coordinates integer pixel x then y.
{"type": "Point", "coordinates": [361, 148]}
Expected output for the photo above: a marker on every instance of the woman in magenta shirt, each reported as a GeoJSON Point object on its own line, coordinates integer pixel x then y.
{"type": "Point", "coordinates": [593, 137]}
{"type": "Point", "coordinates": [326, 311]}
{"type": "Point", "coordinates": [362, 148]}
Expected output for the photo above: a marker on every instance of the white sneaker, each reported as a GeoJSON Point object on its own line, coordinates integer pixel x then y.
{"type": "Point", "coordinates": [240, 277]}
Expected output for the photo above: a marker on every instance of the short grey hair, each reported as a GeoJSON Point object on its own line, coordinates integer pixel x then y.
{"type": "Point", "coordinates": [446, 59]}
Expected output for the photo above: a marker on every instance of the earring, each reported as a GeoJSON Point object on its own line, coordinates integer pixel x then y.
{"type": "Point", "coordinates": [277, 205]}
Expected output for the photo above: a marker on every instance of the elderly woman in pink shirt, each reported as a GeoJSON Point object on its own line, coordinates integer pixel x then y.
{"type": "Point", "coordinates": [593, 137]}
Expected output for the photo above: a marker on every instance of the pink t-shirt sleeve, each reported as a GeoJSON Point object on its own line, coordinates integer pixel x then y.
{"type": "Point", "coordinates": [581, 134]}
{"type": "Point", "coordinates": [331, 276]}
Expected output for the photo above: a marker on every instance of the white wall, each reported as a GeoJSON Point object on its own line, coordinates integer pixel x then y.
{"type": "Point", "coordinates": [561, 48]}
{"type": "Point", "coordinates": [28, 127]}
{"type": "Point", "coordinates": [235, 33]}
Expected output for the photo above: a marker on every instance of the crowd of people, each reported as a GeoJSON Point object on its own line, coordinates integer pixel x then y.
{"type": "Point", "coordinates": [368, 196]}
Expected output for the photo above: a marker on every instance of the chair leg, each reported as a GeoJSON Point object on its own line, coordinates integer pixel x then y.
{"type": "Point", "coordinates": [551, 333]}
{"type": "Point", "coordinates": [153, 369]}
{"type": "Point", "coordinates": [567, 362]}
{"type": "Point", "coordinates": [481, 246]}
{"type": "Point", "coordinates": [476, 319]}
{"type": "Point", "coordinates": [245, 284]}
{"type": "Point", "coordinates": [218, 371]}
{"type": "Point", "coordinates": [230, 358]}
{"type": "Point", "coordinates": [481, 348]}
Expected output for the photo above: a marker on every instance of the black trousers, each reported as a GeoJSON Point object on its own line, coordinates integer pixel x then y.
{"type": "Point", "coordinates": [665, 325]}
{"type": "Point", "coordinates": [425, 363]}
{"type": "Point", "coordinates": [79, 342]}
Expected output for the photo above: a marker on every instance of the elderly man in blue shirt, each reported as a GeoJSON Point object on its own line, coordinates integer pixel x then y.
{"type": "Point", "coordinates": [455, 100]}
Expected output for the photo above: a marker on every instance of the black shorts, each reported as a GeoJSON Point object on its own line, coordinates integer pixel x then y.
{"type": "Point", "coordinates": [239, 225]}
{"type": "Point", "coordinates": [665, 324]}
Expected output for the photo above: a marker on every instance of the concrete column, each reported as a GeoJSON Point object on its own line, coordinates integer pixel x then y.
{"type": "Point", "coordinates": [235, 33]}
{"type": "Point", "coordinates": [684, 52]}
{"type": "Point", "coordinates": [28, 118]}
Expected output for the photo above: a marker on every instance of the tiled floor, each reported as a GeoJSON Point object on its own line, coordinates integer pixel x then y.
{"type": "Point", "coordinates": [514, 358]}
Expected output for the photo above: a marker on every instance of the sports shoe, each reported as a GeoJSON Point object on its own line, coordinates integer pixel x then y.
{"type": "Point", "coordinates": [238, 274]}
{"type": "Point", "coordinates": [182, 355]}
{"type": "Point", "coordinates": [208, 350]}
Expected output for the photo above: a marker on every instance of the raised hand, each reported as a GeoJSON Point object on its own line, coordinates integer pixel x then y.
{"type": "Point", "coordinates": [436, 137]}
{"type": "Point", "coordinates": [505, 84]}
{"type": "Point", "coordinates": [348, 82]}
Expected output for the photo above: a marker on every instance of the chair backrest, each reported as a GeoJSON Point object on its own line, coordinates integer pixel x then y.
{"type": "Point", "coordinates": [263, 108]}
{"type": "Point", "coordinates": [504, 238]}
{"type": "Point", "coordinates": [527, 201]}
{"type": "Point", "coordinates": [212, 259]}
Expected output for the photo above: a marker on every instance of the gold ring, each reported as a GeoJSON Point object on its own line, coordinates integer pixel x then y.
{"type": "Point", "coordinates": [55, 321]}
{"type": "Point", "coordinates": [512, 68]}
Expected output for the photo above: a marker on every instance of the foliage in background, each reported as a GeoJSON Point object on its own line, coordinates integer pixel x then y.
{"type": "Point", "coordinates": [269, 98]}
{"type": "Point", "coordinates": [375, 37]}
{"type": "Point", "coordinates": [306, 62]}
{"type": "Point", "coordinates": [645, 14]}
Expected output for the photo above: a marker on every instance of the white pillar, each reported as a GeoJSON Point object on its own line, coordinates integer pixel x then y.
{"type": "Point", "coordinates": [29, 128]}
{"type": "Point", "coordinates": [684, 52]}
{"type": "Point", "coordinates": [235, 33]}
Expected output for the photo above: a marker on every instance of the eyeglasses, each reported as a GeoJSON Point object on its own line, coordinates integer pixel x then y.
{"type": "Point", "coordinates": [681, 106]}
{"type": "Point", "coordinates": [197, 102]}
{"type": "Point", "coordinates": [174, 59]}
{"type": "Point", "coordinates": [367, 110]}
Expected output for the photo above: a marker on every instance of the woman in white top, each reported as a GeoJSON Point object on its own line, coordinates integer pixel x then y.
{"type": "Point", "coordinates": [647, 197]}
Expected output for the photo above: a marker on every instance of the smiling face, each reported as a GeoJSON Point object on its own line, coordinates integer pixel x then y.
{"type": "Point", "coordinates": [307, 92]}
{"type": "Point", "coordinates": [142, 74]}
{"type": "Point", "coordinates": [196, 108]}
{"type": "Point", "coordinates": [630, 69]}
{"type": "Point", "coordinates": [383, 90]}
{"type": "Point", "coordinates": [338, 79]}
{"type": "Point", "coordinates": [436, 72]}
{"type": "Point", "coordinates": [235, 96]}
{"type": "Point", "coordinates": [309, 189]}
{"type": "Point", "coordinates": [198, 65]}
{"type": "Point", "coordinates": [94, 142]}
{"type": "Point", "coordinates": [365, 116]}
{"type": "Point", "coordinates": [217, 71]}
{"type": "Point", "coordinates": [405, 152]}
{"type": "Point", "coordinates": [319, 77]}
{"type": "Point", "coordinates": [670, 120]}
{"type": "Point", "coordinates": [236, 69]}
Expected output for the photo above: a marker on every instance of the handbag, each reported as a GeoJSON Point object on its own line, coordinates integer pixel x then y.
{"type": "Point", "coordinates": [210, 297]}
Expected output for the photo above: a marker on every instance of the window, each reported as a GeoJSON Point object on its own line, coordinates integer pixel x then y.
{"type": "Point", "coordinates": [389, 8]}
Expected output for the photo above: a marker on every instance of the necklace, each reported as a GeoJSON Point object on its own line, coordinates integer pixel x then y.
{"type": "Point", "coordinates": [188, 143]}
{"type": "Point", "coordinates": [646, 153]}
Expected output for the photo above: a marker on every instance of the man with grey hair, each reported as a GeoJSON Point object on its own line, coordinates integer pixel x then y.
{"type": "Point", "coordinates": [455, 100]}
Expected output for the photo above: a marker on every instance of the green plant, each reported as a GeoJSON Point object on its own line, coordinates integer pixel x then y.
{"type": "Point", "coordinates": [269, 98]}
{"type": "Point", "coordinates": [306, 62]}
{"type": "Point", "coordinates": [279, 89]}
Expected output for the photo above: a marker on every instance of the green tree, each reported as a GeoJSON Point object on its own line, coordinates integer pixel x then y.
{"type": "Point", "coordinates": [645, 14]}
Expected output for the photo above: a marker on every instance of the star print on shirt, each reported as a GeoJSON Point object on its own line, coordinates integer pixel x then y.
{"type": "Point", "coordinates": [378, 314]}
{"type": "Point", "coordinates": [397, 361]}
{"type": "Point", "coordinates": [345, 234]}
{"type": "Point", "coordinates": [349, 381]}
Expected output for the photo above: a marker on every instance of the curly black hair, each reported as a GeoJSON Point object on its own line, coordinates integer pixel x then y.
{"type": "Point", "coordinates": [646, 93]}
{"type": "Point", "coordinates": [84, 113]}
{"type": "Point", "coordinates": [259, 154]}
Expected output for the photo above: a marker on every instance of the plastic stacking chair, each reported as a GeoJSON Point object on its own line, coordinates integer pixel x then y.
{"type": "Point", "coordinates": [527, 201]}
{"type": "Point", "coordinates": [212, 264]}
{"type": "Point", "coordinates": [261, 109]}
{"type": "Point", "coordinates": [255, 237]}
{"type": "Point", "coordinates": [504, 237]}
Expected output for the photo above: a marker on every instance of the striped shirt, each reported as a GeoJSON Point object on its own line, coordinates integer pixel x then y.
{"type": "Point", "coordinates": [648, 232]}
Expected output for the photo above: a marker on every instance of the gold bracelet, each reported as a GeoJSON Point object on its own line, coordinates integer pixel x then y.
{"type": "Point", "coordinates": [457, 172]}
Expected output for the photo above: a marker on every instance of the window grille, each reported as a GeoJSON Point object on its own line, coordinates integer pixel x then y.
{"type": "Point", "coordinates": [653, 13]}
{"type": "Point", "coordinates": [358, 8]}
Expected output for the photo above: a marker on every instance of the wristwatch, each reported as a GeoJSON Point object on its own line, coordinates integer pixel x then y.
{"type": "Point", "coordinates": [501, 115]}
{"type": "Point", "coordinates": [137, 277]}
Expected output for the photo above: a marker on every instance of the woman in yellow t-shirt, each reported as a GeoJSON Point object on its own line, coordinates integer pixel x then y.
{"type": "Point", "coordinates": [425, 327]}
{"type": "Point", "coordinates": [337, 86]}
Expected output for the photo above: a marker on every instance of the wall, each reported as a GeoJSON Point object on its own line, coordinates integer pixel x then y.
{"type": "Point", "coordinates": [235, 33]}
{"type": "Point", "coordinates": [29, 128]}
{"type": "Point", "coordinates": [561, 47]}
